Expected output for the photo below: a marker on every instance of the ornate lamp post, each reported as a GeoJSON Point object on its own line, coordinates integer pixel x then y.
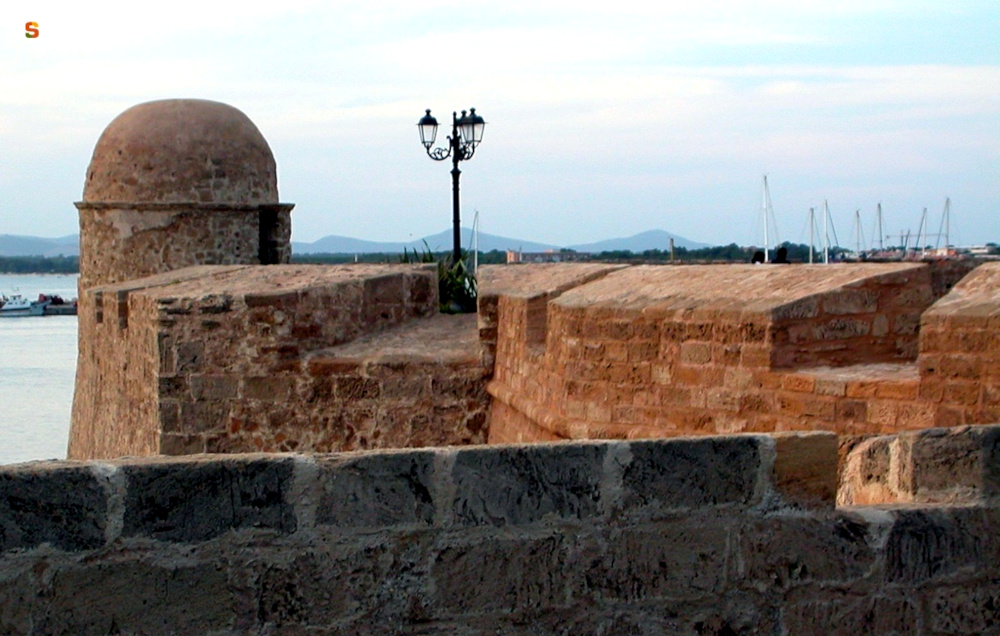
{"type": "Point", "coordinates": [466, 133]}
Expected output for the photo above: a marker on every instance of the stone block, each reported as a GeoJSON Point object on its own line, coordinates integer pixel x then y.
{"type": "Point", "coordinates": [674, 560]}
{"type": "Point", "coordinates": [842, 328]}
{"type": "Point", "coordinates": [173, 386]}
{"type": "Point", "coordinates": [320, 366]}
{"type": "Point", "coordinates": [782, 552]}
{"type": "Point", "coordinates": [663, 476]}
{"type": "Point", "coordinates": [274, 388]}
{"type": "Point", "coordinates": [213, 387]}
{"type": "Point", "coordinates": [933, 543]}
{"type": "Point", "coordinates": [835, 388]}
{"type": "Point", "coordinates": [965, 609]}
{"type": "Point", "coordinates": [189, 357]}
{"type": "Point", "coordinates": [947, 465]}
{"type": "Point", "coordinates": [798, 310]}
{"type": "Point", "coordinates": [853, 615]}
{"type": "Point", "coordinates": [496, 573]}
{"type": "Point", "coordinates": [898, 390]}
{"type": "Point", "coordinates": [279, 299]}
{"type": "Point", "coordinates": [805, 468]}
{"type": "Point", "coordinates": [181, 444]}
{"type": "Point", "coordinates": [866, 477]}
{"type": "Point", "coordinates": [357, 388]}
{"type": "Point", "coordinates": [329, 582]}
{"type": "Point", "coordinates": [796, 404]}
{"type": "Point", "coordinates": [376, 490]}
{"type": "Point", "coordinates": [517, 485]}
{"type": "Point", "coordinates": [991, 463]}
{"type": "Point", "coordinates": [65, 507]}
{"type": "Point", "coordinates": [696, 353]}
{"type": "Point", "coordinates": [384, 290]}
{"type": "Point", "coordinates": [136, 597]}
{"type": "Point", "coordinates": [191, 501]}
{"type": "Point", "coordinates": [798, 383]}
{"type": "Point", "coordinates": [202, 417]}
{"type": "Point", "coordinates": [847, 410]}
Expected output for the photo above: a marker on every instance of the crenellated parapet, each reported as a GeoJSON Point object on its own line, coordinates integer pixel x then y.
{"type": "Point", "coordinates": [731, 534]}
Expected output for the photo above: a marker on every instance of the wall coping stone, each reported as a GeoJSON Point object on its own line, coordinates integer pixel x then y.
{"type": "Point", "coordinates": [74, 505]}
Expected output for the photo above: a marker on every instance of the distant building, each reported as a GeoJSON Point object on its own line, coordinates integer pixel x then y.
{"type": "Point", "coordinates": [982, 250]}
{"type": "Point", "coordinates": [551, 256]}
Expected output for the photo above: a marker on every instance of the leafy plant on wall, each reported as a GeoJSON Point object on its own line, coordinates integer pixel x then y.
{"type": "Point", "coordinates": [456, 284]}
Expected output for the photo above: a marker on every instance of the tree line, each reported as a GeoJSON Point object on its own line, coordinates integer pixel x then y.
{"type": "Point", "coordinates": [731, 253]}
{"type": "Point", "coordinates": [39, 264]}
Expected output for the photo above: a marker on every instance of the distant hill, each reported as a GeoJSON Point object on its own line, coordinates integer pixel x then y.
{"type": "Point", "coordinates": [649, 240]}
{"type": "Point", "coordinates": [13, 245]}
{"type": "Point", "coordinates": [441, 242]}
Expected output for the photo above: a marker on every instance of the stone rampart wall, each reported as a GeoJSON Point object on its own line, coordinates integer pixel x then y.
{"type": "Point", "coordinates": [246, 359]}
{"type": "Point", "coordinates": [713, 535]}
{"type": "Point", "coordinates": [661, 351]}
{"type": "Point", "coordinates": [960, 350]}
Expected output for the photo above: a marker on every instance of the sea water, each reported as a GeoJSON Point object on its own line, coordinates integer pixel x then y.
{"type": "Point", "coordinates": [37, 372]}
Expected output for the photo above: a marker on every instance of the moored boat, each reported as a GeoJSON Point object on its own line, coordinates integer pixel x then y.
{"type": "Point", "coordinates": [57, 306]}
{"type": "Point", "coordinates": [16, 306]}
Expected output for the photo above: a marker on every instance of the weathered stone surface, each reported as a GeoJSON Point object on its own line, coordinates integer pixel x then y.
{"type": "Point", "coordinates": [497, 573]}
{"type": "Point", "coordinates": [991, 463]}
{"type": "Point", "coordinates": [658, 351]}
{"type": "Point", "coordinates": [965, 610]}
{"type": "Point", "coordinates": [280, 545]}
{"type": "Point", "coordinates": [331, 582]}
{"type": "Point", "coordinates": [519, 485]}
{"type": "Point", "coordinates": [831, 549]}
{"type": "Point", "coordinates": [115, 598]}
{"type": "Point", "coordinates": [377, 491]}
{"type": "Point", "coordinates": [666, 476]}
{"type": "Point", "coordinates": [182, 150]}
{"type": "Point", "coordinates": [672, 560]}
{"type": "Point", "coordinates": [63, 506]}
{"type": "Point", "coordinates": [188, 501]}
{"type": "Point", "coordinates": [853, 615]}
{"type": "Point", "coordinates": [944, 465]}
{"type": "Point", "coordinates": [947, 464]}
{"type": "Point", "coordinates": [805, 468]}
{"type": "Point", "coordinates": [932, 543]}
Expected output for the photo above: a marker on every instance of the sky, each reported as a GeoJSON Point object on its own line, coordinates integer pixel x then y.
{"type": "Point", "coordinates": [603, 119]}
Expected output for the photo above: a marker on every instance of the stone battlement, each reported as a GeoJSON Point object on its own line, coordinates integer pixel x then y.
{"type": "Point", "coordinates": [242, 359]}
{"type": "Point", "coordinates": [710, 535]}
{"type": "Point", "coordinates": [661, 351]}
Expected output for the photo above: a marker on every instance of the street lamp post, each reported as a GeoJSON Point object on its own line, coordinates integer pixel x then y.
{"type": "Point", "coordinates": [466, 133]}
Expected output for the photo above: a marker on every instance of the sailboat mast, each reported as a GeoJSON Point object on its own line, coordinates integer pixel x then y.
{"type": "Point", "coordinates": [857, 233]}
{"type": "Point", "coordinates": [765, 203]}
{"type": "Point", "coordinates": [922, 234]}
{"type": "Point", "coordinates": [878, 220]}
{"type": "Point", "coordinates": [812, 240]}
{"type": "Point", "coordinates": [826, 233]}
{"type": "Point", "coordinates": [945, 223]}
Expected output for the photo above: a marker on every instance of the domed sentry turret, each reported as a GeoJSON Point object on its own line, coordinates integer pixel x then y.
{"type": "Point", "coordinates": [172, 184]}
{"type": "Point", "coordinates": [180, 182]}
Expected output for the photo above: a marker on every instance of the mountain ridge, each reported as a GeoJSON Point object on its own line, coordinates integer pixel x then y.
{"type": "Point", "coordinates": [69, 245]}
{"type": "Point", "coordinates": [442, 241]}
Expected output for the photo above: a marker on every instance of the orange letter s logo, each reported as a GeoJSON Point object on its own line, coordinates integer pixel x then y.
{"type": "Point", "coordinates": [31, 30]}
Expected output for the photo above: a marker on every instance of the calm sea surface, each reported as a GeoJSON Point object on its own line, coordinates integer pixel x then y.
{"type": "Point", "coordinates": [37, 371]}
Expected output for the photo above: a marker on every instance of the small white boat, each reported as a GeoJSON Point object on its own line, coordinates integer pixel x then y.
{"type": "Point", "coordinates": [17, 305]}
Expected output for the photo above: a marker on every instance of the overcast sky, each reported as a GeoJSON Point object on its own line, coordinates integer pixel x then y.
{"type": "Point", "coordinates": [604, 119]}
